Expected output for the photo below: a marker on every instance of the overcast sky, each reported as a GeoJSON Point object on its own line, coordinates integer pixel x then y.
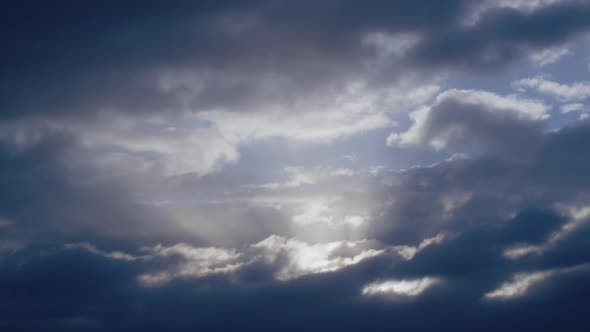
{"type": "Point", "coordinates": [273, 165]}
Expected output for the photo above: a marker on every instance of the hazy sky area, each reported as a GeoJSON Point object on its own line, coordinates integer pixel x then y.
{"type": "Point", "coordinates": [273, 165]}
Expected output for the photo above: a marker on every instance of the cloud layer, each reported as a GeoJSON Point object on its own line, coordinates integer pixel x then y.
{"type": "Point", "coordinates": [263, 165]}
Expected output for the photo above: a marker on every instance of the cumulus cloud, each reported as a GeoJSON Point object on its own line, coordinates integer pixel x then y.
{"type": "Point", "coordinates": [566, 92]}
{"type": "Point", "coordinates": [466, 118]}
{"type": "Point", "coordinates": [418, 198]}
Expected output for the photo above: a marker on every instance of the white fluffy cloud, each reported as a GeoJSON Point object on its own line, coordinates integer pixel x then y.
{"type": "Point", "coordinates": [566, 92]}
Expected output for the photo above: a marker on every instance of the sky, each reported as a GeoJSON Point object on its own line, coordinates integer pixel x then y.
{"type": "Point", "coordinates": [273, 165]}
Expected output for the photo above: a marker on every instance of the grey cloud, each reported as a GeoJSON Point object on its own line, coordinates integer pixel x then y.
{"type": "Point", "coordinates": [487, 205]}
{"type": "Point", "coordinates": [77, 240]}
{"type": "Point", "coordinates": [501, 36]}
{"type": "Point", "coordinates": [468, 120]}
{"type": "Point", "coordinates": [48, 198]}
{"type": "Point", "coordinates": [499, 214]}
{"type": "Point", "coordinates": [577, 91]}
{"type": "Point", "coordinates": [460, 192]}
{"type": "Point", "coordinates": [78, 59]}
{"type": "Point", "coordinates": [312, 302]}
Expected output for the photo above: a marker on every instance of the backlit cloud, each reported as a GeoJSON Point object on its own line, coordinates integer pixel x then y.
{"type": "Point", "coordinates": [303, 165]}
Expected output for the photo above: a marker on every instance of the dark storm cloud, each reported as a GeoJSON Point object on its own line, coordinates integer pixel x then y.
{"type": "Point", "coordinates": [50, 192]}
{"type": "Point", "coordinates": [502, 36]}
{"type": "Point", "coordinates": [477, 252]}
{"type": "Point", "coordinates": [76, 289]}
{"type": "Point", "coordinates": [72, 290]}
{"type": "Point", "coordinates": [48, 198]}
{"type": "Point", "coordinates": [78, 57]}
{"type": "Point", "coordinates": [70, 58]}
{"type": "Point", "coordinates": [460, 192]}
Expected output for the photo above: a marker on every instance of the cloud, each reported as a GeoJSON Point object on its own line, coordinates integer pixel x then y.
{"type": "Point", "coordinates": [518, 286]}
{"type": "Point", "coordinates": [330, 83]}
{"type": "Point", "coordinates": [170, 148]}
{"type": "Point", "coordinates": [567, 108]}
{"type": "Point", "coordinates": [566, 92]}
{"type": "Point", "coordinates": [203, 143]}
{"type": "Point", "coordinates": [303, 258]}
{"type": "Point", "coordinates": [201, 56]}
{"type": "Point", "coordinates": [320, 212]}
{"type": "Point", "coordinates": [462, 119]}
{"type": "Point", "coordinates": [578, 219]}
{"type": "Point", "coordinates": [289, 258]}
{"type": "Point", "coordinates": [409, 288]}
{"type": "Point", "coordinates": [298, 176]}
{"type": "Point", "coordinates": [198, 263]}
{"type": "Point", "coordinates": [492, 187]}
{"type": "Point", "coordinates": [501, 36]}
{"type": "Point", "coordinates": [356, 108]}
{"type": "Point", "coordinates": [548, 56]}
{"type": "Point", "coordinates": [181, 163]}
{"type": "Point", "coordinates": [321, 296]}
{"type": "Point", "coordinates": [522, 283]}
{"type": "Point", "coordinates": [167, 58]}
{"type": "Point", "coordinates": [48, 199]}
{"type": "Point", "coordinates": [526, 6]}
{"type": "Point", "coordinates": [146, 145]}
